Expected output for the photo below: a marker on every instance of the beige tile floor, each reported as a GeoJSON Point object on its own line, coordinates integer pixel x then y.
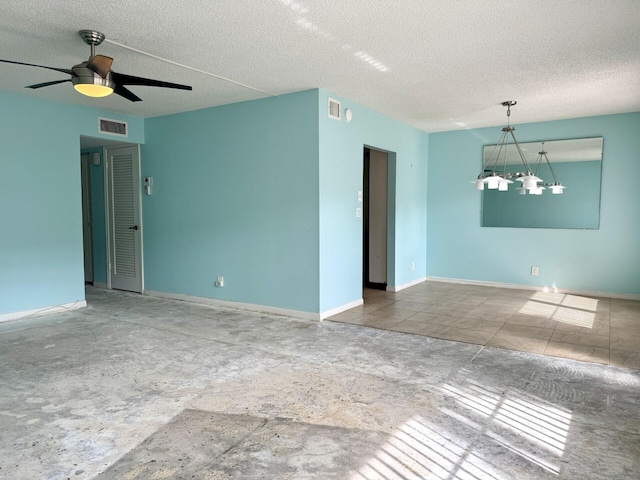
{"type": "Point", "coordinates": [592, 329]}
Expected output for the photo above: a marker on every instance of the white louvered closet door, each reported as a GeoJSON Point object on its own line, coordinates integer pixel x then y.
{"type": "Point", "coordinates": [125, 232]}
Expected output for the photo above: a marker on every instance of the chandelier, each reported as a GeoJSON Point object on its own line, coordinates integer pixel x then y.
{"type": "Point", "coordinates": [494, 172]}
{"type": "Point", "coordinates": [556, 187]}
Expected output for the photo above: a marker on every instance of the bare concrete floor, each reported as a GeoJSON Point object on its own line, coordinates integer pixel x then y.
{"type": "Point", "coordinates": [134, 387]}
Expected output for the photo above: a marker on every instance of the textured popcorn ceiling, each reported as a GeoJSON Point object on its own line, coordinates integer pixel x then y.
{"type": "Point", "coordinates": [434, 64]}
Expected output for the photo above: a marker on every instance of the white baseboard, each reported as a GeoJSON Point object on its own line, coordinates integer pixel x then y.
{"type": "Point", "coordinates": [343, 308]}
{"type": "Point", "coordinates": [254, 307]}
{"type": "Point", "coordinates": [405, 285]}
{"type": "Point", "coordinates": [5, 317]}
{"type": "Point", "coordinates": [235, 305]}
{"type": "Point", "coordinates": [517, 286]}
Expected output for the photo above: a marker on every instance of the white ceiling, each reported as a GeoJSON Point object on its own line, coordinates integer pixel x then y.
{"type": "Point", "coordinates": [437, 65]}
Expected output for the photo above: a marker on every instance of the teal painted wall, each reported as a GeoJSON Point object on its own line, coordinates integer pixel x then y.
{"type": "Point", "coordinates": [341, 172]}
{"type": "Point", "coordinates": [98, 216]}
{"type": "Point", "coordinates": [577, 207]}
{"type": "Point", "coordinates": [264, 193]}
{"type": "Point", "coordinates": [235, 194]}
{"type": "Point", "coordinates": [605, 260]}
{"type": "Point", "coordinates": [41, 259]}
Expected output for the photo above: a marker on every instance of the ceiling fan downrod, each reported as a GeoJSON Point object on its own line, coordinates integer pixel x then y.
{"type": "Point", "coordinates": [92, 38]}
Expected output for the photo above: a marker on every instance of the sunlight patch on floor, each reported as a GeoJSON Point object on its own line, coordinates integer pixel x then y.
{"type": "Point", "coordinates": [523, 425]}
{"type": "Point", "coordinates": [417, 451]}
{"type": "Point", "coordinates": [569, 309]}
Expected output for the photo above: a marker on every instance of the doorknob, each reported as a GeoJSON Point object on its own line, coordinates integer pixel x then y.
{"type": "Point", "coordinates": [135, 227]}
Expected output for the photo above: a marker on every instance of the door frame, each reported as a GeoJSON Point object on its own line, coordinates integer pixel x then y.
{"type": "Point", "coordinates": [87, 220]}
{"type": "Point", "coordinates": [391, 216]}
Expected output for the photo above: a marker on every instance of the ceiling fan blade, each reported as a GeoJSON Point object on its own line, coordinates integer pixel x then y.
{"type": "Point", "coordinates": [122, 79]}
{"type": "Point", "coordinates": [126, 93]}
{"type": "Point", "coordinates": [46, 84]}
{"type": "Point", "coordinates": [100, 64]}
{"type": "Point", "coordinates": [63, 70]}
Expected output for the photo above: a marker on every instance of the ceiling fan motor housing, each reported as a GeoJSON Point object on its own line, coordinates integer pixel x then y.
{"type": "Point", "coordinates": [84, 80]}
{"type": "Point", "coordinates": [91, 37]}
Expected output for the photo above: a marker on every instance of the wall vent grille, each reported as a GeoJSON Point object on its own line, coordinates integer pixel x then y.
{"type": "Point", "coordinates": [334, 109]}
{"type": "Point", "coordinates": [113, 127]}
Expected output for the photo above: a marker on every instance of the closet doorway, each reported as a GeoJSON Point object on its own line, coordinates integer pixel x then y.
{"type": "Point", "coordinates": [375, 218]}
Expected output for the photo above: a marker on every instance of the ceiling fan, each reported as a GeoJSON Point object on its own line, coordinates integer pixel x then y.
{"type": "Point", "coordinates": [95, 78]}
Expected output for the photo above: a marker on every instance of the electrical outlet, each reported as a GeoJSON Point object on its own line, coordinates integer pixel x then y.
{"type": "Point", "coordinates": [220, 282]}
{"type": "Point", "coordinates": [534, 271]}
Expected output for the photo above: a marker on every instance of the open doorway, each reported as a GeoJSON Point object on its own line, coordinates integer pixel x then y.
{"type": "Point", "coordinates": [93, 215]}
{"type": "Point", "coordinates": [110, 173]}
{"type": "Point", "coordinates": [375, 218]}
{"type": "Point", "coordinates": [88, 162]}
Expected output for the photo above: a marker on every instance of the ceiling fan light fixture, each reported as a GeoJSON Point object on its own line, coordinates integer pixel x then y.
{"type": "Point", "coordinates": [91, 84]}
{"type": "Point", "coordinates": [93, 90]}
{"type": "Point", "coordinates": [94, 78]}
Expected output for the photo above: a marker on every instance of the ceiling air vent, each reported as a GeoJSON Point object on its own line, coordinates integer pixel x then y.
{"type": "Point", "coordinates": [334, 109]}
{"type": "Point", "coordinates": [112, 127]}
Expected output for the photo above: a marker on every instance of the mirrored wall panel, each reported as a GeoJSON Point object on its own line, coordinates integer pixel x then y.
{"type": "Point", "coordinates": [577, 165]}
